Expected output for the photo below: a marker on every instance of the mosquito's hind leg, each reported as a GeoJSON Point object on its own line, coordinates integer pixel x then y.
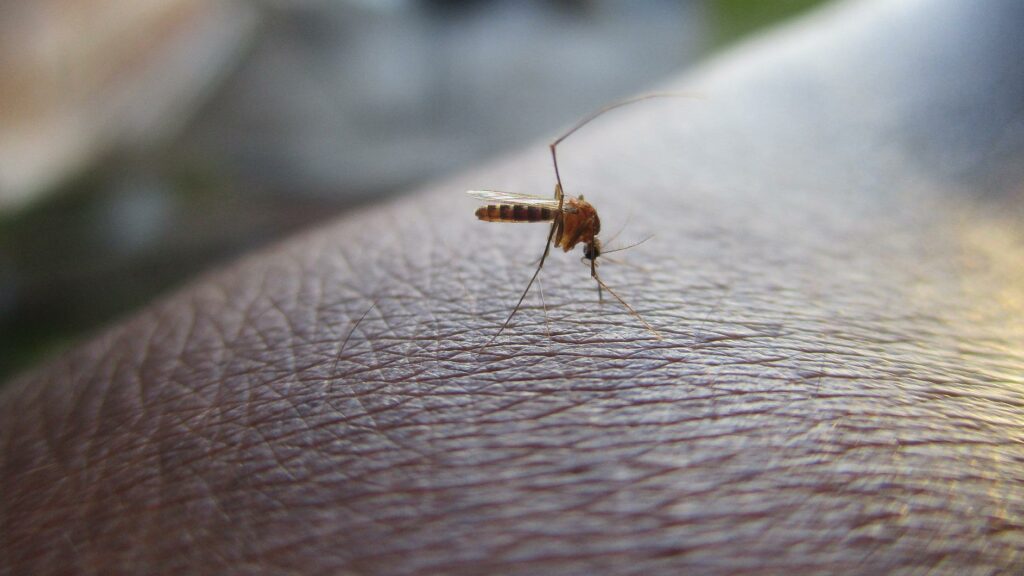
{"type": "Point", "coordinates": [594, 115]}
{"type": "Point", "coordinates": [547, 321]}
{"type": "Point", "coordinates": [547, 249]}
{"type": "Point", "coordinates": [556, 226]}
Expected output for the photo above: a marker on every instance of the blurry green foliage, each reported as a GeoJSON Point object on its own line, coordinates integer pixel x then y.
{"type": "Point", "coordinates": [734, 19]}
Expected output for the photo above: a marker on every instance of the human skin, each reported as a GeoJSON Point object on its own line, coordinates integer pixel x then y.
{"type": "Point", "coordinates": [837, 271]}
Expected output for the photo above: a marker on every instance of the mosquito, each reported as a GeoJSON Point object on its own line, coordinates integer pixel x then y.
{"type": "Point", "coordinates": [573, 220]}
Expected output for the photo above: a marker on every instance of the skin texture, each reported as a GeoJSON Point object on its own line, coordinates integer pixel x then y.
{"type": "Point", "coordinates": [838, 272]}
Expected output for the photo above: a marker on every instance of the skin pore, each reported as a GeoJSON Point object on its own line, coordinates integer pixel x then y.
{"type": "Point", "coordinates": [836, 274]}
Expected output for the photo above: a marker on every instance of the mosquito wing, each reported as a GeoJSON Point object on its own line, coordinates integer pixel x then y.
{"type": "Point", "coordinates": [514, 198]}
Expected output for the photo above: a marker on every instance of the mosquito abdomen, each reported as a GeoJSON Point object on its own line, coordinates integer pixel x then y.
{"type": "Point", "coordinates": [514, 213]}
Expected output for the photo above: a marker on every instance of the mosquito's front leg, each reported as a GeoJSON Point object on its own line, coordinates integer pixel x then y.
{"type": "Point", "coordinates": [593, 274]}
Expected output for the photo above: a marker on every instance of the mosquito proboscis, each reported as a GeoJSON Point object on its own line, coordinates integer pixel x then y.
{"type": "Point", "coordinates": [573, 220]}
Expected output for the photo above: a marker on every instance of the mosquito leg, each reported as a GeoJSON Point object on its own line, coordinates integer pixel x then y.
{"type": "Point", "coordinates": [558, 176]}
{"type": "Point", "coordinates": [594, 115]}
{"type": "Point", "coordinates": [559, 191]}
{"type": "Point", "coordinates": [547, 248]}
{"type": "Point", "coordinates": [619, 104]}
{"type": "Point", "coordinates": [544, 306]}
{"type": "Point", "coordinates": [344, 343]}
{"type": "Point", "coordinates": [650, 328]}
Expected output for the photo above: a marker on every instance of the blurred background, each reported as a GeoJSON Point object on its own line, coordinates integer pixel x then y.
{"type": "Point", "coordinates": [143, 141]}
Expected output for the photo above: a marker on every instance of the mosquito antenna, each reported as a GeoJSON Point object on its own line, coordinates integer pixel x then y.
{"type": "Point", "coordinates": [633, 245]}
{"type": "Point", "coordinates": [628, 307]}
{"type": "Point", "coordinates": [629, 218]}
{"type": "Point", "coordinates": [594, 115]}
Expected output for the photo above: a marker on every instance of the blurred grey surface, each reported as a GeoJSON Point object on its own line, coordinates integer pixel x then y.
{"type": "Point", "coordinates": [348, 100]}
{"type": "Point", "coordinates": [293, 113]}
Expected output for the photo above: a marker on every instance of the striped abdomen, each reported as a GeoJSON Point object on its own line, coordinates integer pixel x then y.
{"type": "Point", "coordinates": [514, 213]}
